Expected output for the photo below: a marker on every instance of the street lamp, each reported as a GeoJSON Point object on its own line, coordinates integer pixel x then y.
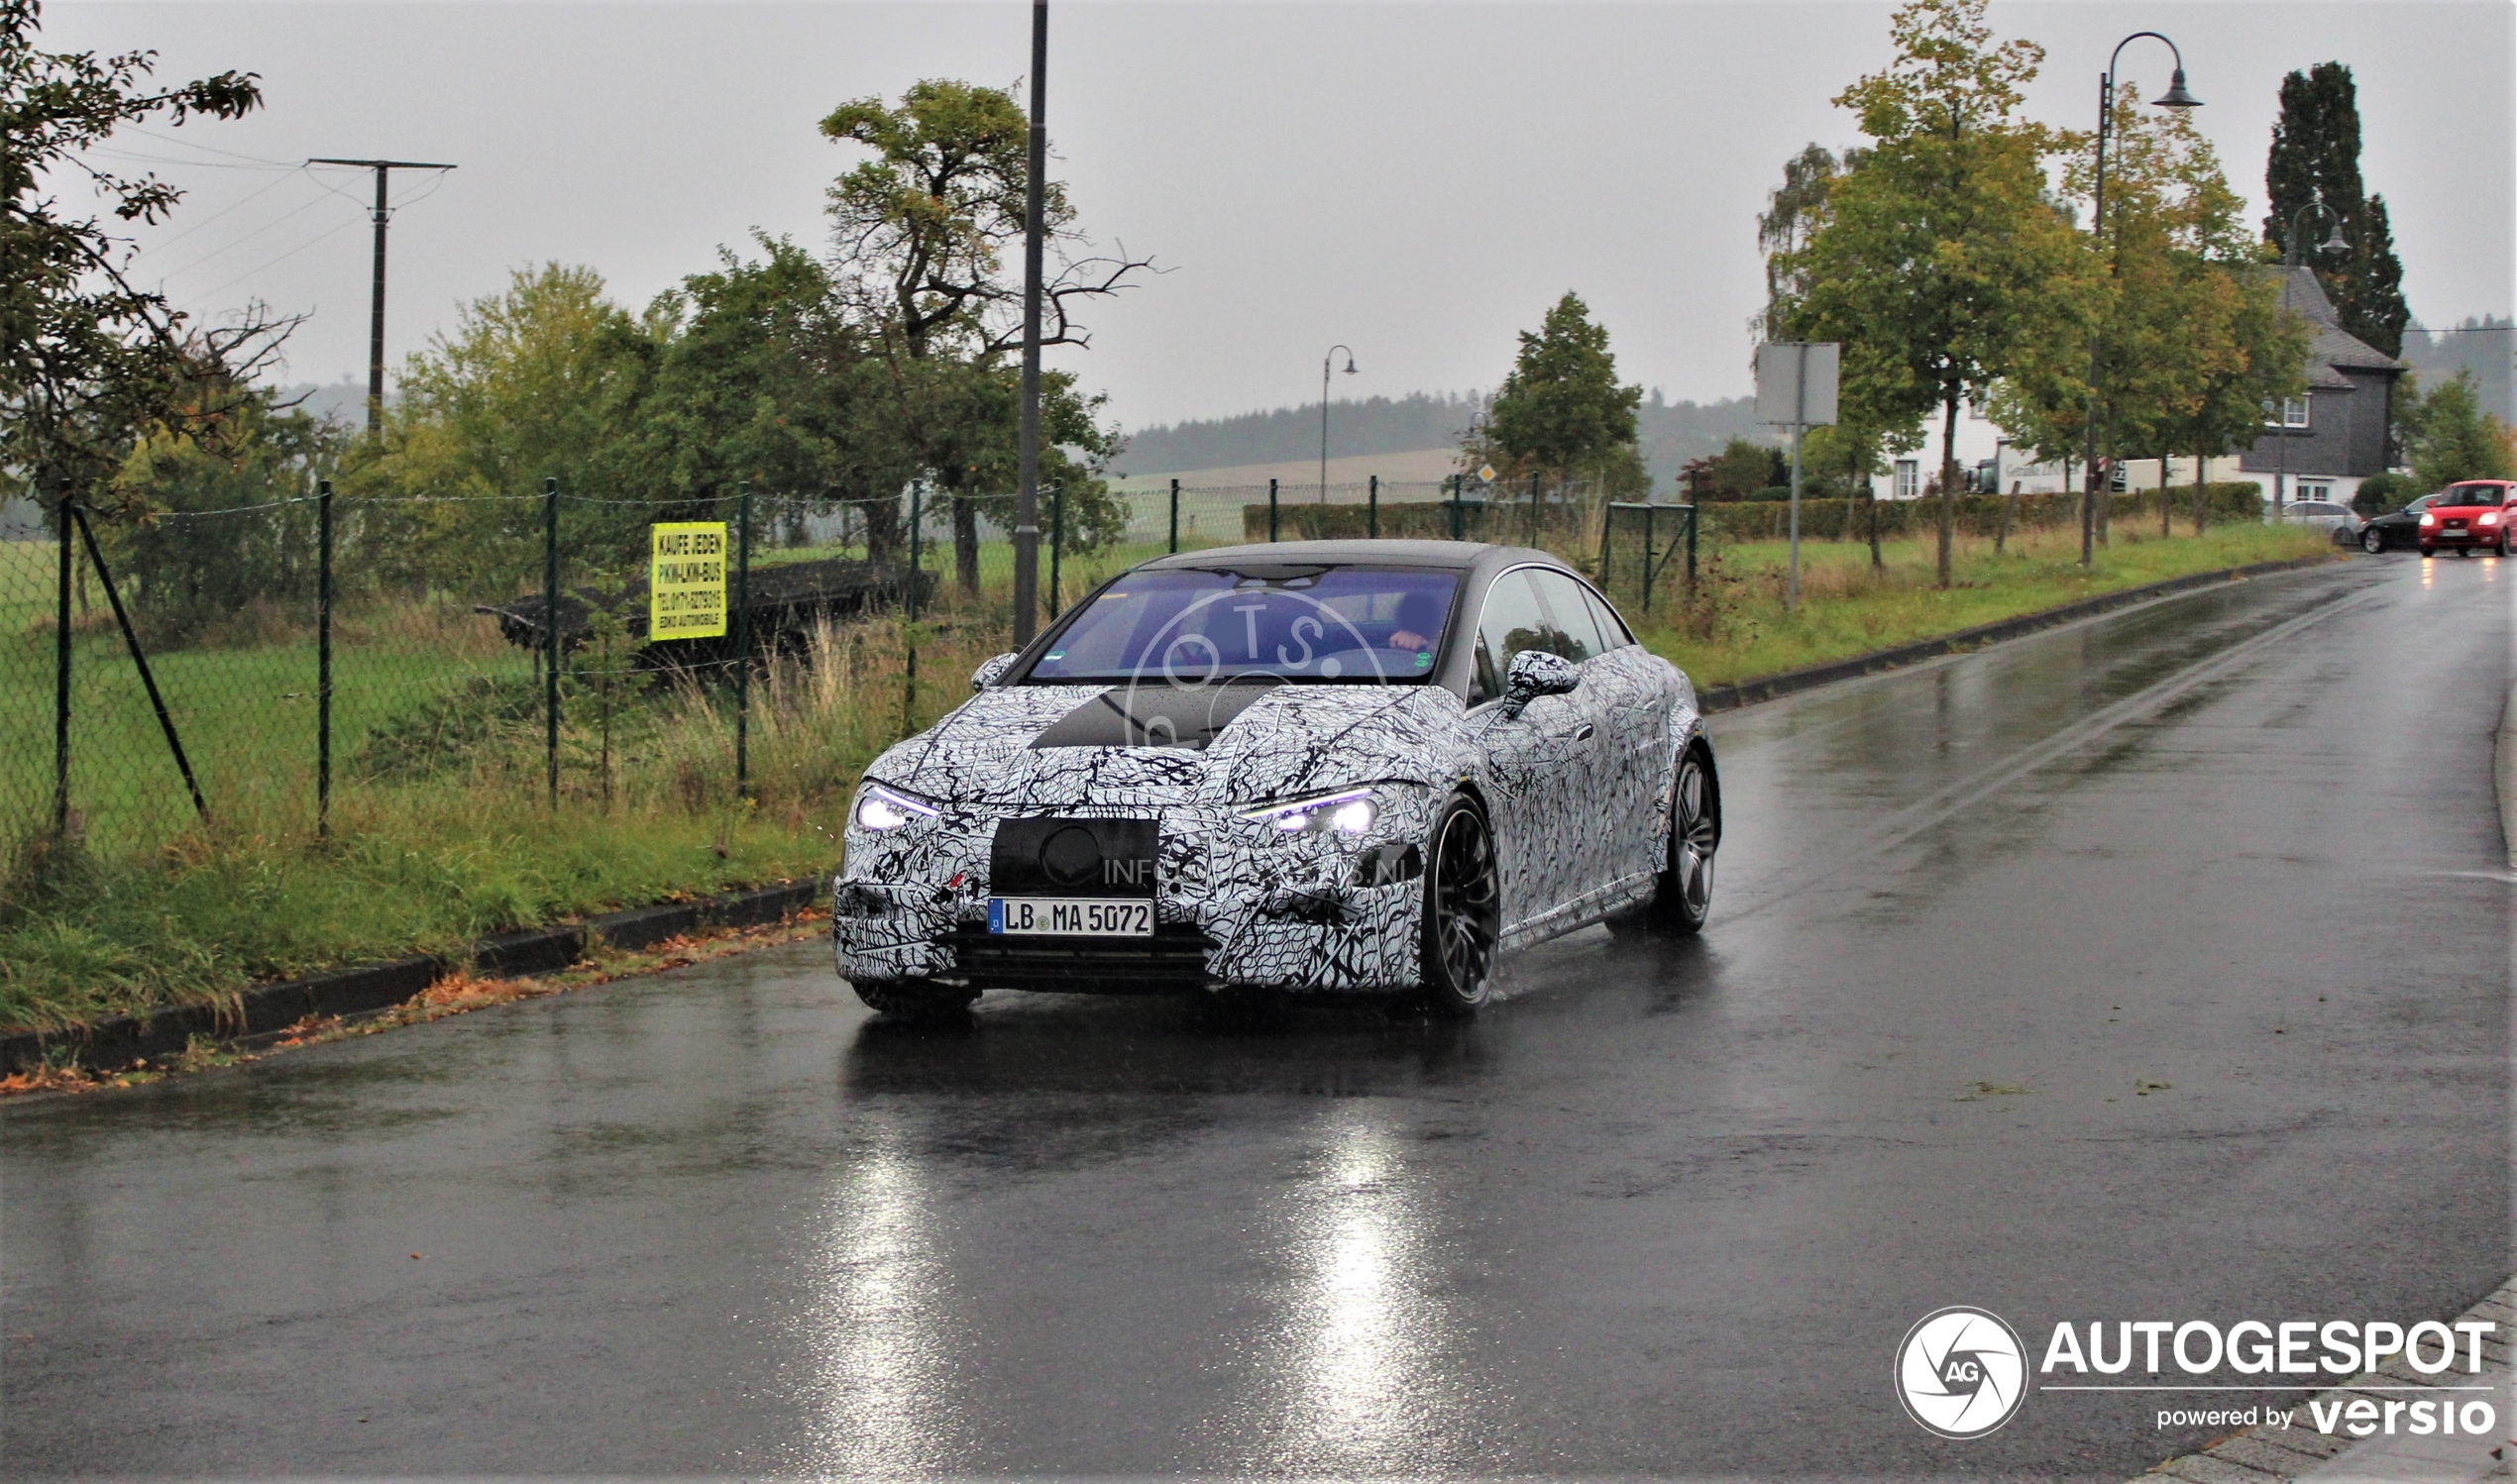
{"type": "Point", "coordinates": [2292, 257]}
{"type": "Point", "coordinates": [2174, 97]}
{"type": "Point", "coordinates": [1324, 362]}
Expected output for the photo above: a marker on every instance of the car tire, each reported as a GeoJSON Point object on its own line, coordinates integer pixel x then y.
{"type": "Point", "coordinates": [2372, 541]}
{"type": "Point", "coordinates": [1683, 896]}
{"type": "Point", "coordinates": [913, 998]}
{"type": "Point", "coordinates": [1463, 911]}
{"type": "Point", "coordinates": [2429, 551]}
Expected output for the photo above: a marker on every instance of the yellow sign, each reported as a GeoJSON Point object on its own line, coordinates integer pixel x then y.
{"type": "Point", "coordinates": [686, 581]}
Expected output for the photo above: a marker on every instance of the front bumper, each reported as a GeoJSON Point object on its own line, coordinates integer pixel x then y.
{"type": "Point", "coordinates": [1235, 902]}
{"type": "Point", "coordinates": [2461, 536]}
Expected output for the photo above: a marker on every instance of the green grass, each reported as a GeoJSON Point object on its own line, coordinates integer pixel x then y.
{"type": "Point", "coordinates": [155, 910]}
{"type": "Point", "coordinates": [1737, 627]}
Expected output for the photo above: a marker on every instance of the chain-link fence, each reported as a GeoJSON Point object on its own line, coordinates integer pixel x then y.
{"type": "Point", "coordinates": [281, 667]}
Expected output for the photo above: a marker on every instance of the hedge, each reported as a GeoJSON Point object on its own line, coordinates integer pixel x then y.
{"type": "Point", "coordinates": [1749, 520]}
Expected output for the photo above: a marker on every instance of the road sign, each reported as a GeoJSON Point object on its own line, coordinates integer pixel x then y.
{"type": "Point", "coordinates": [1796, 382]}
{"type": "Point", "coordinates": [1486, 473]}
{"type": "Point", "coordinates": [685, 579]}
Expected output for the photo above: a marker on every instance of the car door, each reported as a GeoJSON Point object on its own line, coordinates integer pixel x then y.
{"type": "Point", "coordinates": [1637, 692]}
{"type": "Point", "coordinates": [1540, 760]}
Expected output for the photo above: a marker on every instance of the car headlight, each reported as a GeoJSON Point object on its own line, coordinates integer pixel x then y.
{"type": "Point", "coordinates": [2489, 518]}
{"type": "Point", "coordinates": [2428, 519]}
{"type": "Point", "coordinates": [879, 808]}
{"type": "Point", "coordinates": [1351, 812]}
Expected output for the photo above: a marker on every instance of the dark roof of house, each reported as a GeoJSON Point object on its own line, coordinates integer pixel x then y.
{"type": "Point", "coordinates": [2333, 348]}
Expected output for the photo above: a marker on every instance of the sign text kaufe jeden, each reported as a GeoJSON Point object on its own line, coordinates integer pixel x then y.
{"type": "Point", "coordinates": [686, 581]}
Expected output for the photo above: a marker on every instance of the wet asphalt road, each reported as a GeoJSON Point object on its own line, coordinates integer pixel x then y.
{"type": "Point", "coordinates": [2157, 968]}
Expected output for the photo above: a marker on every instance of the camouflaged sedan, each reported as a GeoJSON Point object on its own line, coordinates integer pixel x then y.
{"type": "Point", "coordinates": [1324, 767]}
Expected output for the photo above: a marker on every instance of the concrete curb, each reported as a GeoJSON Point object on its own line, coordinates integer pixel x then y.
{"type": "Point", "coordinates": [112, 1044]}
{"type": "Point", "coordinates": [2276, 1455]}
{"type": "Point", "coordinates": [1749, 693]}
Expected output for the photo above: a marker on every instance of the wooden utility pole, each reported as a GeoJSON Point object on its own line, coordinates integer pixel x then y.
{"type": "Point", "coordinates": [375, 308]}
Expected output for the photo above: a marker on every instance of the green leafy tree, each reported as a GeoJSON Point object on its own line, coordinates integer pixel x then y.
{"type": "Point", "coordinates": [2453, 438]}
{"type": "Point", "coordinates": [548, 379]}
{"type": "Point", "coordinates": [1561, 413]}
{"type": "Point", "coordinates": [228, 577]}
{"type": "Point", "coordinates": [925, 230]}
{"type": "Point", "coordinates": [2315, 157]}
{"type": "Point", "coordinates": [89, 360]}
{"type": "Point", "coordinates": [1941, 260]}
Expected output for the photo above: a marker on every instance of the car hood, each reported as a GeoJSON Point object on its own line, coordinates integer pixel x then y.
{"type": "Point", "coordinates": [1026, 748]}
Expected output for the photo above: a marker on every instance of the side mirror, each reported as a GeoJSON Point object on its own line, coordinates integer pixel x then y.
{"type": "Point", "coordinates": [991, 670]}
{"type": "Point", "coordinates": [1534, 672]}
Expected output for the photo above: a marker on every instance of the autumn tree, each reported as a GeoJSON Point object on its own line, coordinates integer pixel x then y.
{"type": "Point", "coordinates": [1942, 257]}
{"type": "Point", "coordinates": [924, 229]}
{"type": "Point", "coordinates": [2450, 437]}
{"type": "Point", "coordinates": [91, 360]}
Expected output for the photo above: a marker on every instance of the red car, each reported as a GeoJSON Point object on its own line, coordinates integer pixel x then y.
{"type": "Point", "coordinates": [2470, 517]}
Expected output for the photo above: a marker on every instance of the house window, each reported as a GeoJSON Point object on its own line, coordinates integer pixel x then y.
{"type": "Point", "coordinates": [1909, 478]}
{"type": "Point", "coordinates": [2118, 478]}
{"type": "Point", "coordinates": [2309, 491]}
{"type": "Point", "coordinates": [2293, 413]}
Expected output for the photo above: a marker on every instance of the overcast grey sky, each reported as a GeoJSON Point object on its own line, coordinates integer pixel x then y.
{"type": "Point", "coordinates": [1416, 180]}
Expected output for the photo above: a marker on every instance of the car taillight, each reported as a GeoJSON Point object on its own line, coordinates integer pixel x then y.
{"type": "Point", "coordinates": [2428, 519]}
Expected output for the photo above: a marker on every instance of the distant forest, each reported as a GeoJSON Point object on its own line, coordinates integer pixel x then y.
{"type": "Point", "coordinates": [2481, 346]}
{"type": "Point", "coordinates": [1671, 433]}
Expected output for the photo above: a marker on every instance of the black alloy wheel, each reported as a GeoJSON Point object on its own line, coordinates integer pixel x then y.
{"type": "Point", "coordinates": [1463, 910]}
{"type": "Point", "coordinates": [913, 998]}
{"type": "Point", "coordinates": [2372, 541]}
{"type": "Point", "coordinates": [1683, 894]}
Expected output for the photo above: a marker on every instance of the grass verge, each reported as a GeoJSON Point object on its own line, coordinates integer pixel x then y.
{"type": "Point", "coordinates": [1736, 626]}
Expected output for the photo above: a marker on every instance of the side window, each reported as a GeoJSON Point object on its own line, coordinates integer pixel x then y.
{"type": "Point", "coordinates": [1573, 632]}
{"type": "Point", "coordinates": [1612, 630]}
{"type": "Point", "coordinates": [1512, 622]}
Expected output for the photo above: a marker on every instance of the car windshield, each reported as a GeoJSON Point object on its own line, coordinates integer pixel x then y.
{"type": "Point", "coordinates": [1338, 625]}
{"type": "Point", "coordinates": [2472, 494]}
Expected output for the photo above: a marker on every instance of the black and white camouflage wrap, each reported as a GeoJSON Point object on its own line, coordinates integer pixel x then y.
{"type": "Point", "coordinates": [1577, 789]}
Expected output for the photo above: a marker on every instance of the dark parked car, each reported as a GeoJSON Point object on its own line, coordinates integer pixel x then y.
{"type": "Point", "coordinates": [2396, 529]}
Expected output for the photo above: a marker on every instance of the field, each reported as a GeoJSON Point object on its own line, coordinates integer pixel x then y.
{"type": "Point", "coordinates": [442, 831]}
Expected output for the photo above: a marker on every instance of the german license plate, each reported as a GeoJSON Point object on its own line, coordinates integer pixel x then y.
{"type": "Point", "coordinates": [1073, 917]}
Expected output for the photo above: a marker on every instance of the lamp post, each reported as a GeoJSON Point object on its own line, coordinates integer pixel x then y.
{"type": "Point", "coordinates": [2174, 97]}
{"type": "Point", "coordinates": [2292, 257]}
{"type": "Point", "coordinates": [1324, 362]}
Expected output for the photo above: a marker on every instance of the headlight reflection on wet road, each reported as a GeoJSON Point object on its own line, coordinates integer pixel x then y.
{"type": "Point", "coordinates": [1353, 1378]}
{"type": "Point", "coordinates": [881, 1330]}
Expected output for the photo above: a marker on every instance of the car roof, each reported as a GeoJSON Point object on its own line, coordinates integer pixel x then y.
{"type": "Point", "coordinates": [1457, 556]}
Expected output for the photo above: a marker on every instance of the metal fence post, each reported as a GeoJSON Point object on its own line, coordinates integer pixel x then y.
{"type": "Point", "coordinates": [1648, 514]}
{"type": "Point", "coordinates": [140, 661]}
{"type": "Point", "coordinates": [908, 671]}
{"type": "Point", "coordinates": [1271, 509]}
{"type": "Point", "coordinates": [1607, 522]}
{"type": "Point", "coordinates": [550, 634]}
{"type": "Point", "coordinates": [323, 659]}
{"type": "Point", "coordinates": [742, 642]}
{"type": "Point", "coordinates": [1454, 502]}
{"type": "Point", "coordinates": [1695, 516]}
{"type": "Point", "coordinates": [1175, 517]}
{"type": "Point", "coordinates": [1533, 509]}
{"type": "Point", "coordinates": [62, 678]}
{"type": "Point", "coordinates": [1056, 538]}
{"type": "Point", "coordinates": [1371, 511]}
